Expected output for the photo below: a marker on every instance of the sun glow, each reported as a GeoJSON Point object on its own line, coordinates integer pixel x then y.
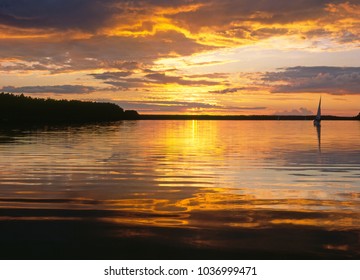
{"type": "Point", "coordinates": [230, 63]}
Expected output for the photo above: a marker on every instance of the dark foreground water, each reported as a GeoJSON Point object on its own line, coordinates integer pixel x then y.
{"type": "Point", "coordinates": [181, 190]}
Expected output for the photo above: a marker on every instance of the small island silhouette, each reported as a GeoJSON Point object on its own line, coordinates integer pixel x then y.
{"type": "Point", "coordinates": [28, 110]}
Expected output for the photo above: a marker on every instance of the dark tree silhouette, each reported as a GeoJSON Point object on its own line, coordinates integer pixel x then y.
{"type": "Point", "coordinates": [25, 109]}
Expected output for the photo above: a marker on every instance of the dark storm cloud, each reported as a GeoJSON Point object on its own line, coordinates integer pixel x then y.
{"type": "Point", "coordinates": [126, 83]}
{"type": "Point", "coordinates": [220, 13]}
{"type": "Point", "coordinates": [123, 79]}
{"type": "Point", "coordinates": [159, 3]}
{"type": "Point", "coordinates": [18, 66]}
{"type": "Point", "coordinates": [226, 17]}
{"type": "Point", "coordinates": [98, 51]}
{"type": "Point", "coordinates": [87, 15]}
{"type": "Point", "coordinates": [108, 38]}
{"type": "Point", "coordinates": [59, 14]}
{"type": "Point", "coordinates": [127, 65]}
{"type": "Point", "coordinates": [90, 15]}
{"type": "Point", "coordinates": [111, 75]}
{"type": "Point", "coordinates": [57, 89]}
{"type": "Point", "coordinates": [321, 79]}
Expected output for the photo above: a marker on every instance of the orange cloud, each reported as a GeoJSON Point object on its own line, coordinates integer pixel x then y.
{"type": "Point", "coordinates": [100, 41]}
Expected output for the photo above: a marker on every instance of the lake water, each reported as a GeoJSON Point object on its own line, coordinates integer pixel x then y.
{"type": "Point", "coordinates": [181, 190]}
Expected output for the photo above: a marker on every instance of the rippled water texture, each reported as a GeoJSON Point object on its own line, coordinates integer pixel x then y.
{"type": "Point", "coordinates": [181, 190]}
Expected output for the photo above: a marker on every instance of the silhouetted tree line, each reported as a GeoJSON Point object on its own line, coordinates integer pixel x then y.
{"type": "Point", "coordinates": [25, 109]}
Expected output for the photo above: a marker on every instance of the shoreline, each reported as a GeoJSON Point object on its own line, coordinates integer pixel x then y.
{"type": "Point", "coordinates": [50, 122]}
{"type": "Point", "coordinates": [242, 117]}
{"type": "Point", "coordinates": [25, 110]}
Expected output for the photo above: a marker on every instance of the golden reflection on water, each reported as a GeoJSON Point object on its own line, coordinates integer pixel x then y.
{"type": "Point", "coordinates": [188, 174]}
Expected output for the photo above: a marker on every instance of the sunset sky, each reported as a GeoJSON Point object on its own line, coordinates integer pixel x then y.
{"type": "Point", "coordinates": [186, 56]}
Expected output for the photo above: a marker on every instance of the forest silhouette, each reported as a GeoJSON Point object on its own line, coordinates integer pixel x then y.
{"type": "Point", "coordinates": [25, 109]}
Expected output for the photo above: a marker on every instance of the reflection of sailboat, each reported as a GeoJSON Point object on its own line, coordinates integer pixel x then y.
{"type": "Point", "coordinates": [317, 119]}
{"type": "Point", "coordinates": [318, 130]}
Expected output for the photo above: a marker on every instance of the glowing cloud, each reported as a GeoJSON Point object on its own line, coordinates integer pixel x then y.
{"type": "Point", "coordinates": [189, 50]}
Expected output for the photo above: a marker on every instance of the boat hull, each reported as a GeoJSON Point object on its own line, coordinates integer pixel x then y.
{"type": "Point", "coordinates": [317, 122]}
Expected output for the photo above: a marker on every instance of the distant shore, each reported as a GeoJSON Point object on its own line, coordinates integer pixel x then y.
{"type": "Point", "coordinates": [25, 110]}
{"type": "Point", "coordinates": [20, 109]}
{"type": "Point", "coordinates": [240, 117]}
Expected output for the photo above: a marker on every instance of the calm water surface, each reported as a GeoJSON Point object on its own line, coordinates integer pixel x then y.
{"type": "Point", "coordinates": [181, 189]}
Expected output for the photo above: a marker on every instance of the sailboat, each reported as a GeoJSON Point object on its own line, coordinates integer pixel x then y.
{"type": "Point", "coordinates": [317, 119]}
